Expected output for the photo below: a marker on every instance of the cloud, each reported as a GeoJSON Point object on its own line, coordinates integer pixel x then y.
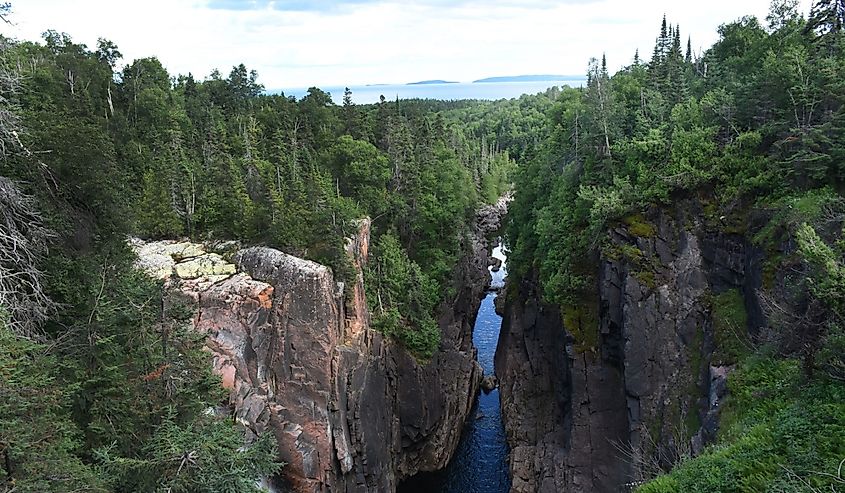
{"type": "Point", "coordinates": [355, 42]}
{"type": "Point", "coordinates": [285, 5]}
{"type": "Point", "coordinates": [344, 5]}
{"type": "Point", "coordinates": [239, 4]}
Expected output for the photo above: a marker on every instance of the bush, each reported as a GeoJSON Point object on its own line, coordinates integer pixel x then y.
{"type": "Point", "coordinates": [730, 327]}
{"type": "Point", "coordinates": [38, 439]}
{"type": "Point", "coordinates": [402, 298]}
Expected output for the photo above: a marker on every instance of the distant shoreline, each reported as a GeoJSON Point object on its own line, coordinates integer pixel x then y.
{"type": "Point", "coordinates": [444, 92]}
{"type": "Point", "coordinates": [529, 78]}
{"type": "Point", "coordinates": [427, 82]}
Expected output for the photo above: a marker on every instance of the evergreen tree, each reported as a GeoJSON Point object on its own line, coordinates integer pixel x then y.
{"type": "Point", "coordinates": [351, 116]}
{"type": "Point", "coordinates": [827, 18]}
{"type": "Point", "coordinates": [688, 56]}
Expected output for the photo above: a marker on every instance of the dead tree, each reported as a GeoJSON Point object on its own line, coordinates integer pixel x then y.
{"type": "Point", "coordinates": [23, 243]}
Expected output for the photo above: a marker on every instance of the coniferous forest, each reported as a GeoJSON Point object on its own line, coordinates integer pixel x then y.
{"type": "Point", "coordinates": [755, 129]}
{"type": "Point", "coordinates": [101, 389]}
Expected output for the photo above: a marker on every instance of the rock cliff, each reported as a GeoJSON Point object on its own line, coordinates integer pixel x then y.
{"type": "Point", "coordinates": [629, 378]}
{"type": "Point", "coordinates": [351, 410]}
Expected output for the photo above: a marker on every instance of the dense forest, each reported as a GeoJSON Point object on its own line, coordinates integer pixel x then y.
{"type": "Point", "coordinates": [754, 127]}
{"type": "Point", "coordinates": [102, 390]}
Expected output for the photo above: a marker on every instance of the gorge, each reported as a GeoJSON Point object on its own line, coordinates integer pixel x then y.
{"type": "Point", "coordinates": [350, 410]}
{"type": "Point", "coordinates": [210, 287]}
{"type": "Point", "coordinates": [480, 463]}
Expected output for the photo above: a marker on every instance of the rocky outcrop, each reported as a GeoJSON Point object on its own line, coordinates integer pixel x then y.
{"type": "Point", "coordinates": [531, 365]}
{"type": "Point", "coordinates": [351, 410]}
{"type": "Point", "coordinates": [627, 379]}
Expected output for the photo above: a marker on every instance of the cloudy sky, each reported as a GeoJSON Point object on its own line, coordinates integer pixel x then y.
{"type": "Point", "coordinates": [299, 43]}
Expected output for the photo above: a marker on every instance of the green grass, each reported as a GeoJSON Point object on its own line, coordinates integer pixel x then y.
{"type": "Point", "coordinates": [779, 433]}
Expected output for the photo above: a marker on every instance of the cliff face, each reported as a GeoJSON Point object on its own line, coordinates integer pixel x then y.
{"type": "Point", "coordinates": [351, 411]}
{"type": "Point", "coordinates": [631, 378]}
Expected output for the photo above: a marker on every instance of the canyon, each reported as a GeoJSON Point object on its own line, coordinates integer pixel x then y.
{"type": "Point", "coordinates": [351, 410]}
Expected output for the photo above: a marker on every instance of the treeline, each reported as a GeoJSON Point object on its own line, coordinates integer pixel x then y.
{"type": "Point", "coordinates": [104, 390]}
{"type": "Point", "coordinates": [755, 122]}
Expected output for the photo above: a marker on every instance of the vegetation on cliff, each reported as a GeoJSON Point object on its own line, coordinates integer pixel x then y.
{"type": "Point", "coordinates": [102, 388]}
{"type": "Point", "coordinates": [754, 127]}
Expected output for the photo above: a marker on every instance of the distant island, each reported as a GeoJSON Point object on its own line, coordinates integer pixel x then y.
{"type": "Point", "coordinates": [529, 78]}
{"type": "Point", "coordinates": [435, 81]}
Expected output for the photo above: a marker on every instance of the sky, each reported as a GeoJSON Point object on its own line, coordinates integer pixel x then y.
{"type": "Point", "coordinates": [302, 43]}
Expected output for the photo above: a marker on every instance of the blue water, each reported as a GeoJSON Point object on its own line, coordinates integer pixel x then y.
{"type": "Point", "coordinates": [485, 90]}
{"type": "Point", "coordinates": [480, 464]}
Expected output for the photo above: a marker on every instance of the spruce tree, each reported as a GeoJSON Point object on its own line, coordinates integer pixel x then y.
{"type": "Point", "coordinates": [827, 17]}
{"type": "Point", "coordinates": [688, 57]}
{"type": "Point", "coordinates": [658, 59]}
{"type": "Point", "coordinates": [352, 124]}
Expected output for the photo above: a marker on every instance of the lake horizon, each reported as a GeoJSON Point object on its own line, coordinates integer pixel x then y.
{"type": "Point", "coordinates": [451, 91]}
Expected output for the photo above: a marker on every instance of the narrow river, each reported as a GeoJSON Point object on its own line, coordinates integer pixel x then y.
{"type": "Point", "coordinates": [480, 464]}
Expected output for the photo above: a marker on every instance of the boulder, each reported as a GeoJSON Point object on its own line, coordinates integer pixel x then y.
{"type": "Point", "coordinates": [489, 383]}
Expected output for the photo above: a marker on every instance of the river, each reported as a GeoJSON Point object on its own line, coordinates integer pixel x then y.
{"type": "Point", "coordinates": [480, 464]}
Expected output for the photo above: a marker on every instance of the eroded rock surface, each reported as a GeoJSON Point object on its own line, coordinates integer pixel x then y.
{"type": "Point", "coordinates": [591, 395]}
{"type": "Point", "coordinates": [351, 411]}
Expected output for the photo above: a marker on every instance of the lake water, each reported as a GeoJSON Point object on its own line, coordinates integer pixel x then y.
{"type": "Point", "coordinates": [480, 90]}
{"type": "Point", "coordinates": [480, 464]}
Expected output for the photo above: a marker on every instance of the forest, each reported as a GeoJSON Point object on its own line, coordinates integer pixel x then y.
{"type": "Point", "coordinates": [103, 391]}
{"type": "Point", "coordinates": [754, 127]}
{"type": "Point", "coordinates": [95, 152]}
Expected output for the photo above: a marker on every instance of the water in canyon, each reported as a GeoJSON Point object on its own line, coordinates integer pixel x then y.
{"type": "Point", "coordinates": [480, 464]}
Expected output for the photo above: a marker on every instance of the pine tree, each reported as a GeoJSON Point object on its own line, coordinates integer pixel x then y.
{"type": "Point", "coordinates": [352, 123]}
{"type": "Point", "coordinates": [598, 94]}
{"type": "Point", "coordinates": [658, 59]}
{"type": "Point", "coordinates": [827, 21]}
{"type": "Point", "coordinates": [675, 72]}
{"type": "Point", "coordinates": [688, 57]}
{"type": "Point", "coordinates": [827, 17]}
{"type": "Point", "coordinates": [156, 216]}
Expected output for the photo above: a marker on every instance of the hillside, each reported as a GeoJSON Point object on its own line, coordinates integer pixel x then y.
{"type": "Point", "coordinates": [679, 238]}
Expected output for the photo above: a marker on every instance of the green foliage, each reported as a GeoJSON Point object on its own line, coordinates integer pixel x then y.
{"type": "Point", "coordinates": [117, 371]}
{"type": "Point", "coordinates": [156, 217]}
{"type": "Point", "coordinates": [39, 442]}
{"type": "Point", "coordinates": [828, 283]}
{"type": "Point", "coordinates": [362, 173]}
{"type": "Point", "coordinates": [777, 434]}
{"type": "Point", "coordinates": [756, 125]}
{"type": "Point", "coordinates": [582, 321]}
{"type": "Point", "coordinates": [730, 327]}
{"type": "Point", "coordinates": [498, 180]}
{"type": "Point", "coordinates": [403, 298]}
{"type": "Point", "coordinates": [135, 151]}
{"type": "Point", "coordinates": [744, 119]}
{"type": "Point", "coordinates": [639, 226]}
{"type": "Point", "coordinates": [827, 286]}
{"type": "Point", "coordinates": [203, 457]}
{"type": "Point", "coordinates": [661, 484]}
